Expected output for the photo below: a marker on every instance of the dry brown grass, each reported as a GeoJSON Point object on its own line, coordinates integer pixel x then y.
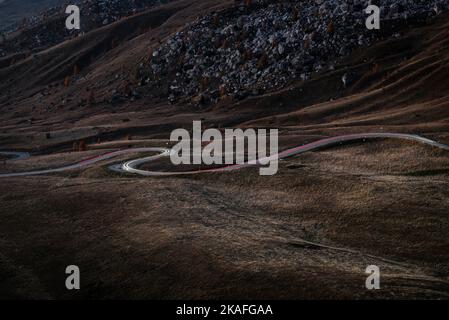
{"type": "Point", "coordinates": [237, 235]}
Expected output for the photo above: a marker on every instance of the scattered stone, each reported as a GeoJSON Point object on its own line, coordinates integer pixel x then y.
{"type": "Point", "coordinates": [264, 45]}
{"type": "Point", "coordinates": [47, 28]}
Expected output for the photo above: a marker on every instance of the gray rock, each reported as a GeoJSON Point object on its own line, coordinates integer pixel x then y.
{"type": "Point", "coordinates": [267, 46]}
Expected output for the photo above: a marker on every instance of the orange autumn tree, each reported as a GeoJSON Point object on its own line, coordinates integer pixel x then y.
{"type": "Point", "coordinates": [82, 146]}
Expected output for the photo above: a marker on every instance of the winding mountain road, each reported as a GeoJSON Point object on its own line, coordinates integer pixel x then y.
{"type": "Point", "coordinates": [133, 165]}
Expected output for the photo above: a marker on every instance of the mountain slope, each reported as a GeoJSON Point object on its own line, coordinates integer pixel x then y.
{"type": "Point", "coordinates": [398, 84]}
{"type": "Point", "coordinates": [12, 11]}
